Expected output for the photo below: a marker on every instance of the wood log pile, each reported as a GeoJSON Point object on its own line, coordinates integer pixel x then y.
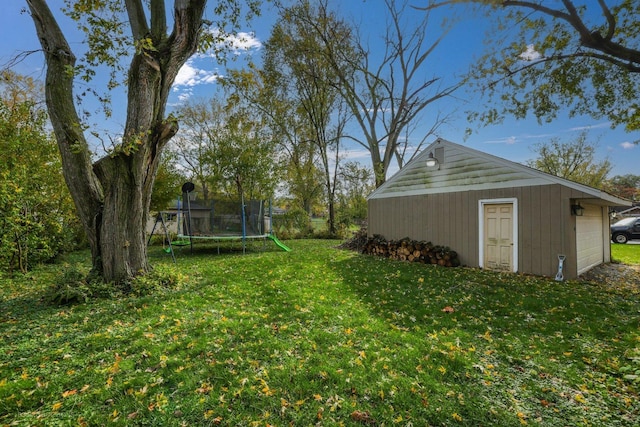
{"type": "Point", "coordinates": [357, 241]}
{"type": "Point", "coordinates": [411, 250]}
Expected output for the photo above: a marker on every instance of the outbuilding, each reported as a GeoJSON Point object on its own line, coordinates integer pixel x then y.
{"type": "Point", "coordinates": [495, 213]}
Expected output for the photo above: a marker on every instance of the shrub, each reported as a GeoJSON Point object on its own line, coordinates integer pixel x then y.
{"type": "Point", "coordinates": [74, 286]}
{"type": "Point", "coordinates": [162, 278]}
{"type": "Point", "coordinates": [37, 217]}
{"type": "Point", "coordinates": [69, 288]}
{"type": "Point", "coordinates": [295, 223]}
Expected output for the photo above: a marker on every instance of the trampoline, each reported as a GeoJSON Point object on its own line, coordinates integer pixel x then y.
{"type": "Point", "coordinates": [223, 220]}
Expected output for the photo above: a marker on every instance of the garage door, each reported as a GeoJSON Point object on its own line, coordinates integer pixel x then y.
{"type": "Point", "coordinates": [589, 240]}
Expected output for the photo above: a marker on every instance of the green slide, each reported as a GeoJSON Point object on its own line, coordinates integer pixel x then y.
{"type": "Point", "coordinates": [279, 243]}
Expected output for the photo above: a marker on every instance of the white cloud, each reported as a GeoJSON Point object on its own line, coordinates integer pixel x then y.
{"type": "Point", "coordinates": [238, 43]}
{"type": "Point", "coordinates": [356, 154]}
{"type": "Point", "coordinates": [244, 41]}
{"type": "Point", "coordinates": [189, 75]}
{"type": "Point", "coordinates": [521, 138]}
{"type": "Point", "coordinates": [628, 145]}
{"type": "Point", "coordinates": [588, 127]}
{"type": "Point", "coordinates": [380, 110]}
{"type": "Point", "coordinates": [509, 140]}
{"type": "Point", "coordinates": [184, 96]}
{"type": "Point", "coordinates": [531, 54]}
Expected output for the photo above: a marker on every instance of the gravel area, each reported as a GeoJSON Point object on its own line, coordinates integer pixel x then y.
{"type": "Point", "coordinates": [620, 276]}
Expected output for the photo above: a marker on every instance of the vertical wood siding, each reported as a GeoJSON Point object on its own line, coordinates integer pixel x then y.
{"type": "Point", "coordinates": [546, 227]}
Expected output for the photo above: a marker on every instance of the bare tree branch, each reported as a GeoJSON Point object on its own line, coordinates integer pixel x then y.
{"type": "Point", "coordinates": [590, 39]}
{"type": "Point", "coordinates": [611, 20]}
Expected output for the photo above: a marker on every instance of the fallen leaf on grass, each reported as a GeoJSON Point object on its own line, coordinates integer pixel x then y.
{"type": "Point", "coordinates": [116, 364]}
{"type": "Point", "coordinates": [204, 388]}
{"type": "Point", "coordinates": [69, 393]}
{"type": "Point", "coordinates": [363, 417]}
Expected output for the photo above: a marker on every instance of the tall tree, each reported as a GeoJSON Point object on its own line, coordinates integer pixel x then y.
{"type": "Point", "coordinates": [226, 148]}
{"type": "Point", "coordinates": [582, 57]}
{"type": "Point", "coordinates": [112, 195]}
{"type": "Point", "coordinates": [573, 160]}
{"type": "Point", "coordinates": [625, 186]}
{"type": "Point", "coordinates": [272, 95]}
{"type": "Point", "coordinates": [386, 95]}
{"type": "Point", "coordinates": [36, 219]}
{"type": "Point", "coordinates": [246, 155]}
{"type": "Point", "coordinates": [304, 178]}
{"type": "Point", "coordinates": [294, 58]}
{"type": "Point", "coordinates": [202, 123]}
{"type": "Point", "coordinates": [356, 182]}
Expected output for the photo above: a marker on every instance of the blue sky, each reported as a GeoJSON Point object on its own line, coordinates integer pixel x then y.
{"type": "Point", "coordinates": [462, 46]}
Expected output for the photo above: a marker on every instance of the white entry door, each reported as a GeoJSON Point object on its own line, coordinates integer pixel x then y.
{"type": "Point", "coordinates": [498, 236]}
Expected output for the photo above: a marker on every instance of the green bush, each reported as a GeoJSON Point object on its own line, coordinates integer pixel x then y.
{"type": "Point", "coordinates": [70, 288]}
{"type": "Point", "coordinates": [295, 223]}
{"type": "Point", "coordinates": [37, 216]}
{"type": "Point", "coordinates": [74, 286]}
{"type": "Point", "coordinates": [160, 279]}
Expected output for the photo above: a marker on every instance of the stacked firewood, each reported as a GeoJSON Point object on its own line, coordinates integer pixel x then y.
{"type": "Point", "coordinates": [357, 240]}
{"type": "Point", "coordinates": [411, 250]}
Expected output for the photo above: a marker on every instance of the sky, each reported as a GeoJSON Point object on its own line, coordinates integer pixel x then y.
{"type": "Point", "coordinates": [462, 46]}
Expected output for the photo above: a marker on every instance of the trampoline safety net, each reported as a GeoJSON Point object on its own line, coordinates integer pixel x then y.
{"type": "Point", "coordinates": [224, 218]}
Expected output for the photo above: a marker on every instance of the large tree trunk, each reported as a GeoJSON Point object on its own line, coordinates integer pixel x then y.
{"type": "Point", "coordinates": [76, 158]}
{"type": "Point", "coordinates": [122, 240]}
{"type": "Point", "coordinates": [113, 195]}
{"type": "Point", "coordinates": [127, 182]}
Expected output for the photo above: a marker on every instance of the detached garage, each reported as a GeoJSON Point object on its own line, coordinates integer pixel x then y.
{"type": "Point", "coordinates": [495, 213]}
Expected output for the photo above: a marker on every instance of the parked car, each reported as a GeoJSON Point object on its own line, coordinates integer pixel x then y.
{"type": "Point", "coordinates": [626, 229]}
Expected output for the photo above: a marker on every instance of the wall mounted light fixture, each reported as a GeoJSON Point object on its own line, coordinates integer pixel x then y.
{"type": "Point", "coordinates": [577, 210]}
{"type": "Point", "coordinates": [432, 162]}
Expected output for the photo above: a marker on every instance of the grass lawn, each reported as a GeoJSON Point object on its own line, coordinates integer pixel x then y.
{"type": "Point", "coordinates": [626, 254]}
{"type": "Point", "coordinates": [320, 336]}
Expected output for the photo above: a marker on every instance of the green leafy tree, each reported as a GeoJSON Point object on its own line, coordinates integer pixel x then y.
{"type": "Point", "coordinates": [271, 95]}
{"type": "Point", "coordinates": [625, 186]}
{"type": "Point", "coordinates": [573, 160]}
{"type": "Point", "coordinates": [202, 126]}
{"type": "Point", "coordinates": [568, 56]}
{"type": "Point", "coordinates": [356, 182]}
{"type": "Point", "coordinates": [294, 58]}
{"type": "Point", "coordinates": [304, 177]}
{"type": "Point", "coordinates": [227, 149]}
{"type": "Point", "coordinates": [168, 183]}
{"type": "Point", "coordinates": [37, 220]}
{"type": "Point", "coordinates": [255, 166]}
{"type": "Point", "coordinates": [112, 195]}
